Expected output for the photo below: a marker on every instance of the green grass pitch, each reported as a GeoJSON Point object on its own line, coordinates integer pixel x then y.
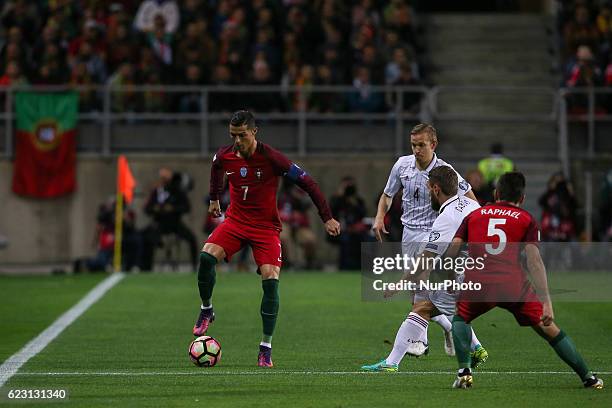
{"type": "Point", "coordinates": [130, 348]}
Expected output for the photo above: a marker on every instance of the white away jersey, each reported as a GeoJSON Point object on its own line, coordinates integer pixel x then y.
{"type": "Point", "coordinates": [416, 204]}
{"type": "Point", "coordinates": [452, 213]}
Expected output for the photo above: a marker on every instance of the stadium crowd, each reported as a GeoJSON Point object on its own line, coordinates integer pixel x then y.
{"type": "Point", "coordinates": [214, 42]}
{"type": "Point", "coordinates": [585, 28]}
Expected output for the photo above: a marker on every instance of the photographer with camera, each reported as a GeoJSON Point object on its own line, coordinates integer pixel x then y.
{"type": "Point", "coordinates": [166, 205]}
{"type": "Point", "coordinates": [558, 210]}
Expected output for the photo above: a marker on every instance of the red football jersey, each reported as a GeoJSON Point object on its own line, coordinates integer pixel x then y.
{"type": "Point", "coordinates": [495, 232]}
{"type": "Point", "coordinates": [253, 183]}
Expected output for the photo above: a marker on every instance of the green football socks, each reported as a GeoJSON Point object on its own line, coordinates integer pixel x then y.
{"type": "Point", "coordinates": [565, 348]}
{"type": "Point", "coordinates": [462, 336]}
{"type": "Point", "coordinates": [269, 308]}
{"type": "Point", "coordinates": [206, 277]}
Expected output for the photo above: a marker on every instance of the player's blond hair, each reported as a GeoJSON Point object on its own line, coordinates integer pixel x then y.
{"type": "Point", "coordinates": [425, 128]}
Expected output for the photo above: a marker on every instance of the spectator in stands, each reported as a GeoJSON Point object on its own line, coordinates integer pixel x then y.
{"type": "Point", "coordinates": [91, 34]}
{"type": "Point", "coordinates": [232, 49]}
{"type": "Point", "coordinates": [221, 102]}
{"type": "Point", "coordinates": [118, 17]}
{"type": "Point", "coordinates": [12, 75]}
{"type": "Point", "coordinates": [14, 37]}
{"type": "Point", "coordinates": [194, 10]}
{"type": "Point", "coordinates": [295, 37]}
{"type": "Point", "coordinates": [495, 165]}
{"type": "Point", "coordinates": [558, 210]}
{"type": "Point", "coordinates": [261, 75]}
{"type": "Point", "coordinates": [166, 204]}
{"type": "Point", "coordinates": [191, 102]}
{"type": "Point", "coordinates": [80, 76]}
{"type": "Point", "coordinates": [304, 96]}
{"type": "Point", "coordinates": [50, 35]}
{"type": "Point", "coordinates": [150, 9]}
{"type": "Point", "coordinates": [363, 98]}
{"type": "Point", "coordinates": [349, 209]}
{"type": "Point", "coordinates": [263, 44]}
{"type": "Point", "coordinates": [53, 69]}
{"type": "Point", "coordinates": [364, 10]}
{"type": "Point", "coordinates": [13, 53]}
{"type": "Point", "coordinates": [18, 13]}
{"type": "Point", "coordinates": [398, 16]}
{"type": "Point", "coordinates": [582, 72]}
{"type": "Point", "coordinates": [372, 60]}
{"type": "Point", "coordinates": [123, 48]}
{"type": "Point", "coordinates": [196, 48]}
{"type": "Point", "coordinates": [580, 31]}
{"type": "Point", "coordinates": [293, 205]}
{"type": "Point", "coordinates": [326, 102]}
{"type": "Point", "coordinates": [93, 62]}
{"type": "Point", "coordinates": [604, 26]}
{"type": "Point", "coordinates": [605, 208]}
{"type": "Point", "coordinates": [160, 41]}
{"type": "Point", "coordinates": [482, 190]}
{"type": "Point", "coordinates": [127, 99]}
{"type": "Point", "coordinates": [154, 99]}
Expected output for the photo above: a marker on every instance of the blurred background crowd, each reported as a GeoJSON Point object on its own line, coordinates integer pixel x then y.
{"type": "Point", "coordinates": [214, 42]}
{"type": "Point", "coordinates": [585, 28]}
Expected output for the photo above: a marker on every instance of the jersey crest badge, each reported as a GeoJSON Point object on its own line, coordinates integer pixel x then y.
{"type": "Point", "coordinates": [243, 171]}
{"type": "Point", "coordinates": [463, 185]}
{"type": "Point", "coordinates": [433, 236]}
{"type": "Point", "coordinates": [258, 174]}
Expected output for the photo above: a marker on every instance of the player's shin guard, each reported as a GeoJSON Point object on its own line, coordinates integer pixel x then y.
{"type": "Point", "coordinates": [565, 348]}
{"type": "Point", "coordinates": [269, 307]}
{"type": "Point", "coordinates": [206, 277]}
{"type": "Point", "coordinates": [462, 336]}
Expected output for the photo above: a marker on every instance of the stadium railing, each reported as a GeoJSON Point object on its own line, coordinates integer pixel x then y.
{"type": "Point", "coordinates": [301, 107]}
{"type": "Point", "coordinates": [148, 104]}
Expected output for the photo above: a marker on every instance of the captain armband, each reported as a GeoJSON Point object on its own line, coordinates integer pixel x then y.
{"type": "Point", "coordinates": [295, 172]}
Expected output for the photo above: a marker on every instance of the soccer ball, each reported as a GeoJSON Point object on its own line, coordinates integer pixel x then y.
{"type": "Point", "coordinates": [205, 351]}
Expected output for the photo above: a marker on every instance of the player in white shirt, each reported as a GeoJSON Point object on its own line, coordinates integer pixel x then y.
{"type": "Point", "coordinates": [411, 337]}
{"type": "Point", "coordinates": [411, 174]}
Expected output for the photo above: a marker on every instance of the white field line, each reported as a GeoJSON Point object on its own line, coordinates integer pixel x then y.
{"type": "Point", "coordinates": [36, 345]}
{"type": "Point", "coordinates": [214, 372]}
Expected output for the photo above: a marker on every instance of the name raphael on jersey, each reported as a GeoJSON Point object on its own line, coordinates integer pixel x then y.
{"type": "Point", "coordinates": [500, 212]}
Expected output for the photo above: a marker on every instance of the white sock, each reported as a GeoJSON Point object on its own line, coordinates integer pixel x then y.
{"type": "Point", "coordinates": [206, 307]}
{"type": "Point", "coordinates": [443, 321]}
{"type": "Point", "coordinates": [268, 345]}
{"type": "Point", "coordinates": [414, 328]}
{"type": "Point", "coordinates": [475, 341]}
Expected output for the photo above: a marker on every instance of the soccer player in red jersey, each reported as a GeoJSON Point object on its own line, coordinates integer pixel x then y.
{"type": "Point", "coordinates": [498, 233]}
{"type": "Point", "coordinates": [253, 169]}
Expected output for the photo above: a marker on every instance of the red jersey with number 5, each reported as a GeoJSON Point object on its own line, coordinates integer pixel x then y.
{"type": "Point", "coordinates": [253, 184]}
{"type": "Point", "coordinates": [495, 233]}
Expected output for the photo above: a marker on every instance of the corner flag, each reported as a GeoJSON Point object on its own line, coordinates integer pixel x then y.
{"type": "Point", "coordinates": [125, 189]}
